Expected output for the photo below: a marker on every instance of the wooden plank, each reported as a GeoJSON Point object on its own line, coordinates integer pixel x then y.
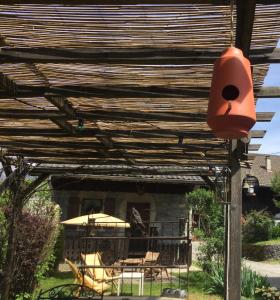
{"type": "Point", "coordinates": [265, 116]}
{"type": "Point", "coordinates": [254, 147]}
{"type": "Point", "coordinates": [257, 134]}
{"type": "Point", "coordinates": [269, 92]}
{"type": "Point", "coordinates": [126, 56]}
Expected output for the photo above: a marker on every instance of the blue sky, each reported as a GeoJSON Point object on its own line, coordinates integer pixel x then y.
{"type": "Point", "coordinates": [271, 141]}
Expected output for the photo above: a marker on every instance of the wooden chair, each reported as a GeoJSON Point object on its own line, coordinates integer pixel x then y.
{"type": "Point", "coordinates": [99, 274]}
{"type": "Point", "coordinates": [153, 259]}
{"type": "Point", "coordinates": [85, 280]}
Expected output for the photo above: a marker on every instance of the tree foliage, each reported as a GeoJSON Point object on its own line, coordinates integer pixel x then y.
{"type": "Point", "coordinates": [257, 227]}
{"type": "Point", "coordinates": [275, 183]}
{"type": "Point", "coordinates": [211, 251]}
{"type": "Point", "coordinates": [203, 202]}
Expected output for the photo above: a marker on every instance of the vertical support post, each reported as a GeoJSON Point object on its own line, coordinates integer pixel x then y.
{"type": "Point", "coordinates": [234, 251]}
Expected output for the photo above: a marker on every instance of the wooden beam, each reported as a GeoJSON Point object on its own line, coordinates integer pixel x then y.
{"type": "Point", "coordinates": [147, 134]}
{"type": "Point", "coordinates": [127, 56]}
{"type": "Point", "coordinates": [150, 162]}
{"type": "Point", "coordinates": [123, 92]}
{"type": "Point", "coordinates": [269, 92]}
{"type": "Point", "coordinates": [254, 147]}
{"type": "Point", "coordinates": [64, 125]}
{"type": "Point", "coordinates": [63, 105]}
{"type": "Point", "coordinates": [257, 134]}
{"type": "Point", "coordinates": [265, 116]}
{"type": "Point", "coordinates": [245, 11]}
{"type": "Point", "coordinates": [62, 169]}
{"type": "Point", "coordinates": [126, 2]}
{"type": "Point", "coordinates": [113, 154]}
{"type": "Point", "coordinates": [234, 238]}
{"type": "Point", "coordinates": [147, 162]}
{"type": "Point", "coordinates": [203, 147]}
{"type": "Point", "coordinates": [61, 118]}
{"type": "Point", "coordinates": [153, 133]}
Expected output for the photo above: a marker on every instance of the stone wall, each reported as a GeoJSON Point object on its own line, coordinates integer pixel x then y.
{"type": "Point", "coordinates": [164, 207]}
{"type": "Point", "coordinates": [261, 252]}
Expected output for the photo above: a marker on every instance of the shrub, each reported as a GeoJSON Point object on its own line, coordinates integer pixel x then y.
{"type": "Point", "coordinates": [250, 281]}
{"type": "Point", "coordinates": [275, 233]}
{"type": "Point", "coordinates": [267, 293]}
{"type": "Point", "coordinates": [33, 248]}
{"type": "Point", "coordinates": [3, 231]}
{"type": "Point", "coordinates": [257, 227]}
{"type": "Point", "coordinates": [211, 250]}
{"type": "Point", "coordinates": [32, 237]}
{"type": "Point", "coordinates": [198, 233]}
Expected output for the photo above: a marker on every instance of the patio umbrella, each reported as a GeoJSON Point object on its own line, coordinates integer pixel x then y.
{"type": "Point", "coordinates": [98, 220]}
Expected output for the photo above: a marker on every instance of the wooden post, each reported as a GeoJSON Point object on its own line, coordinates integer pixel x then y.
{"type": "Point", "coordinates": [234, 251]}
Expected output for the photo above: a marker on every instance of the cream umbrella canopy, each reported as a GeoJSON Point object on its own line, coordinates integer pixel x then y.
{"type": "Point", "coordinates": [98, 220]}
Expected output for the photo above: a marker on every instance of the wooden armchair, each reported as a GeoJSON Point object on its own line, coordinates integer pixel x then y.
{"type": "Point", "coordinates": [98, 273]}
{"type": "Point", "coordinates": [85, 280]}
{"type": "Point", "coordinates": [153, 259]}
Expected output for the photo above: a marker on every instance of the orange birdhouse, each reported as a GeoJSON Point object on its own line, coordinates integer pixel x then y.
{"type": "Point", "coordinates": [231, 108]}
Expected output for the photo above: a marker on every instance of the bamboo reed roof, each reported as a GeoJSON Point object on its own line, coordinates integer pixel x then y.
{"type": "Point", "coordinates": [120, 84]}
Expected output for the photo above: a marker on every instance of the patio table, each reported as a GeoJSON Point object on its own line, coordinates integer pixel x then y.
{"type": "Point", "coordinates": [132, 261]}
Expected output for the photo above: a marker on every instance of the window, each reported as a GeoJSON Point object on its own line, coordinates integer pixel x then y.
{"type": "Point", "coordinates": [91, 206]}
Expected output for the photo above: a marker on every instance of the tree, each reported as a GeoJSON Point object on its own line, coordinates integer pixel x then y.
{"type": "Point", "coordinates": [203, 202]}
{"type": "Point", "coordinates": [211, 251]}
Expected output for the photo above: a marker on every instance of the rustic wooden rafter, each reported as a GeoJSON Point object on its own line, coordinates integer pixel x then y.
{"type": "Point", "coordinates": [128, 2]}
{"type": "Point", "coordinates": [112, 115]}
{"type": "Point", "coordinates": [154, 133]}
{"type": "Point", "coordinates": [122, 92]}
{"type": "Point", "coordinates": [127, 56]}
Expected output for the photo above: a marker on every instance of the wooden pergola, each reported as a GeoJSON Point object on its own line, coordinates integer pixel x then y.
{"type": "Point", "coordinates": [123, 85]}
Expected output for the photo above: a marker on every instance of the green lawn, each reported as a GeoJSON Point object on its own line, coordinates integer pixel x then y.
{"type": "Point", "coordinates": [270, 242]}
{"type": "Point", "coordinates": [272, 261]}
{"type": "Point", "coordinates": [196, 285]}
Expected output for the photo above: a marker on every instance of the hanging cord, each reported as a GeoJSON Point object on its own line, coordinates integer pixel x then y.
{"type": "Point", "coordinates": [231, 22]}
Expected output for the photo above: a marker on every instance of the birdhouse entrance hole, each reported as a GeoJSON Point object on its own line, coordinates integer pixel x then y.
{"type": "Point", "coordinates": [230, 92]}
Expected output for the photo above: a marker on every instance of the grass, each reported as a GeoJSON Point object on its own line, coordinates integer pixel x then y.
{"type": "Point", "coordinates": [270, 242]}
{"type": "Point", "coordinates": [271, 261]}
{"type": "Point", "coordinates": [196, 285]}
